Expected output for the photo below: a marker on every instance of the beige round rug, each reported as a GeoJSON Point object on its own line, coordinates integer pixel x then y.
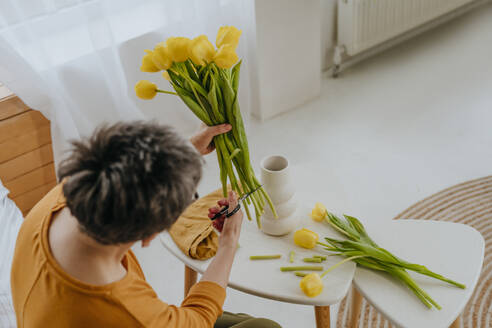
{"type": "Point", "coordinates": [468, 203]}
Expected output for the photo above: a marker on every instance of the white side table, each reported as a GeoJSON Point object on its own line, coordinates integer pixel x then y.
{"type": "Point", "coordinates": [264, 278]}
{"type": "Point", "coordinates": [453, 250]}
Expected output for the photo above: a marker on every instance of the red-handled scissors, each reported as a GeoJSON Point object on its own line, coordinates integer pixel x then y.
{"type": "Point", "coordinates": [224, 210]}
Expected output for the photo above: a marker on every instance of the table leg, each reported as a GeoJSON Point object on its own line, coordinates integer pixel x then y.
{"type": "Point", "coordinates": [322, 314]}
{"type": "Point", "coordinates": [355, 306]}
{"type": "Point", "coordinates": [190, 279]}
{"type": "Point", "coordinates": [456, 323]}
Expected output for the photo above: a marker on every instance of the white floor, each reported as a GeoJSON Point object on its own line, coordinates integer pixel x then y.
{"type": "Point", "coordinates": [387, 133]}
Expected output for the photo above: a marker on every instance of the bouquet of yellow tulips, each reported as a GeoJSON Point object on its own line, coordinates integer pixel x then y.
{"type": "Point", "coordinates": [207, 81]}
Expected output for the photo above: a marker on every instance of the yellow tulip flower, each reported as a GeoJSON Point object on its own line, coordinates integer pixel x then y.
{"type": "Point", "coordinates": [305, 238]}
{"type": "Point", "coordinates": [201, 50]}
{"type": "Point", "coordinates": [178, 48]}
{"type": "Point", "coordinates": [311, 285]}
{"type": "Point", "coordinates": [226, 56]}
{"type": "Point", "coordinates": [228, 35]}
{"type": "Point", "coordinates": [145, 89]}
{"type": "Point", "coordinates": [319, 212]}
{"type": "Point", "coordinates": [148, 64]}
{"type": "Point", "coordinates": [165, 75]}
{"type": "Point", "coordinates": [161, 57]}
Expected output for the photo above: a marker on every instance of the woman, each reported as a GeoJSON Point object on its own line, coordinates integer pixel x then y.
{"type": "Point", "coordinates": [73, 266]}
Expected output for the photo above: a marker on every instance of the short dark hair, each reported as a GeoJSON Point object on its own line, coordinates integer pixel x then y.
{"type": "Point", "coordinates": [129, 180]}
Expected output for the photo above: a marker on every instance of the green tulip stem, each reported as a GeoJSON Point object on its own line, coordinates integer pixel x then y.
{"type": "Point", "coordinates": [234, 153]}
{"type": "Point", "coordinates": [340, 263]}
{"type": "Point", "coordinates": [165, 91]}
{"type": "Point", "coordinates": [328, 247]}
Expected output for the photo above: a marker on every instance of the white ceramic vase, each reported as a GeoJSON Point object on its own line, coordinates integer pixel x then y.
{"type": "Point", "coordinates": [277, 181]}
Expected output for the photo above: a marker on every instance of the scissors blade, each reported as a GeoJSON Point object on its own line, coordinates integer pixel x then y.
{"type": "Point", "coordinates": [249, 193]}
{"type": "Point", "coordinates": [224, 210]}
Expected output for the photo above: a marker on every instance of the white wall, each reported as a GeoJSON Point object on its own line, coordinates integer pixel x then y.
{"type": "Point", "coordinates": [328, 32]}
{"type": "Point", "coordinates": [287, 54]}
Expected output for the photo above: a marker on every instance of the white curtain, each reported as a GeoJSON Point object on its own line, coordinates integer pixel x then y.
{"type": "Point", "coordinates": [77, 60]}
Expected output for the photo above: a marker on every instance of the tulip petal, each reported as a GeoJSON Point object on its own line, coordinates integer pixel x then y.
{"type": "Point", "coordinates": [145, 89]}
{"type": "Point", "coordinates": [148, 64]}
{"type": "Point", "coordinates": [228, 35]}
{"type": "Point", "coordinates": [178, 48]}
{"type": "Point", "coordinates": [226, 56]}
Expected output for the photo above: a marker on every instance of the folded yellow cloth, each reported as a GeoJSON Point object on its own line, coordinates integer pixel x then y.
{"type": "Point", "coordinates": [193, 231]}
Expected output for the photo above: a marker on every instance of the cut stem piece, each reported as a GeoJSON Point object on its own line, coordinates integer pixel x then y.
{"type": "Point", "coordinates": [302, 268]}
{"type": "Point", "coordinates": [265, 257]}
{"type": "Point", "coordinates": [291, 256]}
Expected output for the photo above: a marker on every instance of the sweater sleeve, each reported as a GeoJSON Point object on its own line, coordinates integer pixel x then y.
{"type": "Point", "coordinates": [200, 309]}
{"type": "Point", "coordinates": [205, 301]}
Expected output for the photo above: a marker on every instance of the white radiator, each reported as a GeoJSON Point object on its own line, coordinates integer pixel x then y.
{"type": "Point", "coordinates": [363, 24]}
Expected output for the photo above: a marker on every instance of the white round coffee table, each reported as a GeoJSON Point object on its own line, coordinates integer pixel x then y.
{"type": "Point", "coordinates": [263, 278]}
{"type": "Point", "coordinates": [453, 250]}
